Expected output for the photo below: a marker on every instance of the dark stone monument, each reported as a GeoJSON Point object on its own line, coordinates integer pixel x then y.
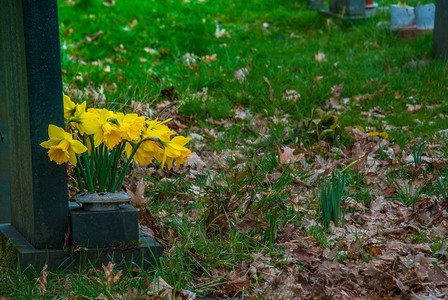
{"type": "Point", "coordinates": [348, 7]}
{"type": "Point", "coordinates": [350, 10]}
{"type": "Point", "coordinates": [32, 188]}
{"type": "Point", "coordinates": [441, 29]}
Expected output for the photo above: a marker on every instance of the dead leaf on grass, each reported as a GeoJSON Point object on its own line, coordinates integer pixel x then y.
{"type": "Point", "coordinates": [141, 109]}
{"type": "Point", "coordinates": [195, 161]}
{"type": "Point", "coordinates": [252, 222]}
{"type": "Point", "coordinates": [93, 37]}
{"type": "Point", "coordinates": [110, 277]}
{"type": "Point", "coordinates": [411, 108]}
{"type": "Point", "coordinates": [240, 74]}
{"type": "Point", "coordinates": [159, 287]}
{"type": "Point", "coordinates": [138, 198]}
{"type": "Point", "coordinates": [236, 285]}
{"type": "Point", "coordinates": [286, 155]}
{"type": "Point", "coordinates": [291, 95]}
{"type": "Point", "coordinates": [42, 281]}
{"type": "Point", "coordinates": [320, 56]}
{"type": "Point", "coordinates": [271, 90]}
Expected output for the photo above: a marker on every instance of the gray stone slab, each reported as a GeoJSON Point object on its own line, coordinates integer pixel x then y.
{"type": "Point", "coordinates": [21, 252]}
{"type": "Point", "coordinates": [441, 29]}
{"type": "Point", "coordinates": [104, 229]}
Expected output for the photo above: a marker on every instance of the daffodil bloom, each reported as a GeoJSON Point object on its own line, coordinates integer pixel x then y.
{"type": "Point", "coordinates": [62, 147]}
{"type": "Point", "coordinates": [384, 135]}
{"type": "Point", "coordinates": [158, 129]}
{"type": "Point", "coordinates": [174, 150]}
{"type": "Point", "coordinates": [108, 131]}
{"type": "Point", "coordinates": [131, 125]}
{"type": "Point", "coordinates": [69, 108]}
{"type": "Point", "coordinates": [85, 122]}
{"type": "Point", "coordinates": [145, 153]}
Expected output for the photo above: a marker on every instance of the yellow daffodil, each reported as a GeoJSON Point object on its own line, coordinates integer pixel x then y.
{"type": "Point", "coordinates": [174, 150]}
{"type": "Point", "coordinates": [131, 125]}
{"type": "Point", "coordinates": [384, 135]}
{"type": "Point", "coordinates": [86, 122]}
{"type": "Point", "coordinates": [62, 147]}
{"type": "Point", "coordinates": [107, 131]}
{"type": "Point", "coordinates": [158, 129]}
{"type": "Point", "coordinates": [69, 108]}
{"type": "Point", "coordinates": [145, 153]}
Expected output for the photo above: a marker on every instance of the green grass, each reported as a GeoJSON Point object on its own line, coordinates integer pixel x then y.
{"type": "Point", "coordinates": [283, 52]}
{"type": "Point", "coordinates": [144, 46]}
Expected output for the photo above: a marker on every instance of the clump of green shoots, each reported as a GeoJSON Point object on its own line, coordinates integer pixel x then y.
{"type": "Point", "coordinates": [331, 196]}
{"type": "Point", "coordinates": [417, 152]}
{"type": "Point", "coordinates": [315, 130]}
{"type": "Point", "coordinates": [330, 199]}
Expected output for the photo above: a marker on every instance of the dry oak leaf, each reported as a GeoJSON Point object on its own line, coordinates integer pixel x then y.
{"type": "Point", "coordinates": [237, 284]}
{"type": "Point", "coordinates": [110, 277]}
{"type": "Point", "coordinates": [42, 281]}
{"type": "Point", "coordinates": [138, 196]}
{"type": "Point", "coordinates": [159, 287]}
{"type": "Point", "coordinates": [286, 155]}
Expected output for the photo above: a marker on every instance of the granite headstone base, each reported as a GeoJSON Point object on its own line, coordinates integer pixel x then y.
{"type": "Point", "coordinates": [106, 228]}
{"type": "Point", "coordinates": [15, 251]}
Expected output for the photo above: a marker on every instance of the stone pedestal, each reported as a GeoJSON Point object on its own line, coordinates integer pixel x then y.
{"type": "Point", "coordinates": [16, 250]}
{"type": "Point", "coordinates": [441, 29]}
{"type": "Point", "coordinates": [105, 229]}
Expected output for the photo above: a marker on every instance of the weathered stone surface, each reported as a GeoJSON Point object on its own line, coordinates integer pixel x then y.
{"type": "Point", "coordinates": [348, 7]}
{"type": "Point", "coordinates": [104, 229]}
{"type": "Point", "coordinates": [26, 256]}
{"type": "Point", "coordinates": [32, 85]}
{"type": "Point", "coordinates": [441, 29]}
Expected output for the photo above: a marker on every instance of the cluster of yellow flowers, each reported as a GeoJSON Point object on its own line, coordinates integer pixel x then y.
{"type": "Point", "coordinates": [148, 139]}
{"type": "Point", "coordinates": [383, 135]}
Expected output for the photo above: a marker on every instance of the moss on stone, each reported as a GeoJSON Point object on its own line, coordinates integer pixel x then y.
{"type": "Point", "coordinates": [8, 253]}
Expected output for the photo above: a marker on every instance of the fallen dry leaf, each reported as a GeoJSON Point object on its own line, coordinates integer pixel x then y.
{"type": "Point", "coordinates": [93, 37]}
{"type": "Point", "coordinates": [240, 74]}
{"type": "Point", "coordinates": [138, 198]}
{"type": "Point", "coordinates": [42, 281]}
{"type": "Point", "coordinates": [271, 90]}
{"type": "Point", "coordinates": [159, 287]}
{"type": "Point", "coordinates": [110, 277]}
{"type": "Point", "coordinates": [413, 108]}
{"type": "Point", "coordinates": [320, 57]}
{"type": "Point", "coordinates": [286, 155]}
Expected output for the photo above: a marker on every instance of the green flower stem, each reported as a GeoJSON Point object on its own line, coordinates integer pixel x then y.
{"type": "Point", "coordinates": [113, 173]}
{"type": "Point", "coordinates": [89, 165]}
{"type": "Point", "coordinates": [79, 179]}
{"type": "Point", "coordinates": [85, 173]}
{"type": "Point", "coordinates": [117, 185]}
{"type": "Point", "coordinates": [104, 172]}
